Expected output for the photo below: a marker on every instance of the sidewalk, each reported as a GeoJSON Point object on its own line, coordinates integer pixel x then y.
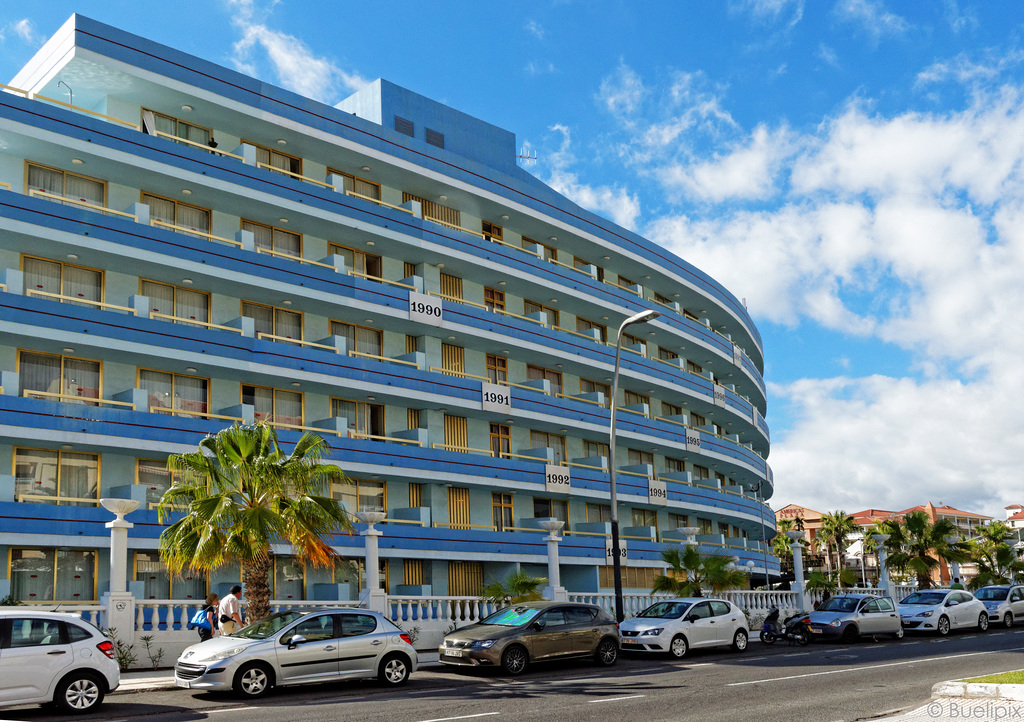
{"type": "Point", "coordinates": [960, 700]}
{"type": "Point", "coordinates": [141, 681]}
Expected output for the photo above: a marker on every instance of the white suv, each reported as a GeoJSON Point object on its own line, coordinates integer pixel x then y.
{"type": "Point", "coordinates": [54, 657]}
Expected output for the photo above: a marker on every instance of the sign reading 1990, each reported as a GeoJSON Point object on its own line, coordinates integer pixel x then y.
{"type": "Point", "coordinates": [557, 479]}
{"type": "Point", "coordinates": [424, 308]}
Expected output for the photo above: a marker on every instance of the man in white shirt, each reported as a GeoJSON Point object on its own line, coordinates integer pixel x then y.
{"type": "Point", "coordinates": [230, 611]}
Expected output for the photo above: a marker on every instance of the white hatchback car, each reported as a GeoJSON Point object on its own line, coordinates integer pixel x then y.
{"type": "Point", "coordinates": [1004, 602]}
{"type": "Point", "coordinates": [677, 625]}
{"type": "Point", "coordinates": [940, 610]}
{"type": "Point", "coordinates": [54, 657]}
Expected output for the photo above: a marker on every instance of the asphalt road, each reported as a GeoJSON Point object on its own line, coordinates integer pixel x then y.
{"type": "Point", "coordinates": [823, 681]}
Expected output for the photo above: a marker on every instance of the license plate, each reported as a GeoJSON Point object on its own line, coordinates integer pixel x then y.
{"type": "Point", "coordinates": [815, 631]}
{"type": "Point", "coordinates": [183, 683]}
{"type": "Point", "coordinates": [453, 652]}
{"type": "Point", "coordinates": [630, 641]}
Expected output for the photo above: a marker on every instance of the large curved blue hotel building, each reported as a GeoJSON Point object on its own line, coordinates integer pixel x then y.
{"type": "Point", "coordinates": [183, 247]}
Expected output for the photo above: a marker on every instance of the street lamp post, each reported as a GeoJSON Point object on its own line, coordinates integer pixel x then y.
{"type": "Point", "coordinates": [642, 317]}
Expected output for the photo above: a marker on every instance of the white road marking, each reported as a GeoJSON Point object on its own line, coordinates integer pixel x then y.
{"type": "Point", "coordinates": [228, 709]}
{"type": "Point", "coordinates": [432, 691]}
{"type": "Point", "coordinates": [616, 699]}
{"type": "Point", "coordinates": [873, 666]}
{"type": "Point", "coordinates": [465, 716]}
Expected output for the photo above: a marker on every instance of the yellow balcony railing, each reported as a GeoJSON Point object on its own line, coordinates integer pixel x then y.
{"type": "Point", "coordinates": [36, 193]}
{"type": "Point", "coordinates": [388, 439]}
{"type": "Point", "coordinates": [75, 299]}
{"type": "Point", "coordinates": [378, 201]}
{"type": "Point", "coordinates": [195, 232]}
{"type": "Point", "coordinates": [290, 257]}
{"type": "Point", "coordinates": [29, 393]}
{"type": "Point", "coordinates": [194, 144]}
{"type": "Point", "coordinates": [296, 341]}
{"type": "Point", "coordinates": [388, 359]}
{"type": "Point", "coordinates": [296, 176]}
{"type": "Point", "coordinates": [44, 497]}
{"type": "Point", "coordinates": [204, 324]}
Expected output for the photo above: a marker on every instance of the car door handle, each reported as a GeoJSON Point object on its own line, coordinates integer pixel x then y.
{"type": "Point", "coordinates": [329, 648]}
{"type": "Point", "coordinates": [376, 642]}
{"type": "Point", "coordinates": [58, 651]}
{"type": "Point", "coordinates": [712, 621]}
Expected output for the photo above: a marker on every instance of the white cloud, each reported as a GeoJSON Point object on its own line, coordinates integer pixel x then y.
{"type": "Point", "coordinates": [873, 17]}
{"type": "Point", "coordinates": [970, 72]}
{"type": "Point", "coordinates": [622, 92]}
{"type": "Point", "coordinates": [540, 67]}
{"type": "Point", "coordinates": [535, 29]}
{"type": "Point", "coordinates": [24, 30]}
{"type": "Point", "coordinates": [771, 10]}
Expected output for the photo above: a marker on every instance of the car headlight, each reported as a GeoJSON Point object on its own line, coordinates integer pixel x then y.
{"type": "Point", "coordinates": [652, 632]}
{"type": "Point", "coordinates": [926, 614]}
{"type": "Point", "coordinates": [225, 653]}
{"type": "Point", "coordinates": [483, 644]}
{"type": "Point", "coordinates": [835, 623]}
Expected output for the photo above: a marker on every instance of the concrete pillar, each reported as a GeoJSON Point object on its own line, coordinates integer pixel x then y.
{"type": "Point", "coordinates": [798, 566]}
{"type": "Point", "coordinates": [375, 598]}
{"type": "Point", "coordinates": [119, 602]}
{"type": "Point", "coordinates": [554, 591]}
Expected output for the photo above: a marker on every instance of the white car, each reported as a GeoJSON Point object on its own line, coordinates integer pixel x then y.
{"type": "Point", "coordinates": [54, 657]}
{"type": "Point", "coordinates": [299, 647]}
{"type": "Point", "coordinates": [677, 625]}
{"type": "Point", "coordinates": [1004, 602]}
{"type": "Point", "coordinates": [940, 610]}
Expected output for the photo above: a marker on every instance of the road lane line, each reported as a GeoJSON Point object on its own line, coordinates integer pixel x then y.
{"type": "Point", "coordinates": [874, 666]}
{"type": "Point", "coordinates": [616, 699]}
{"type": "Point", "coordinates": [465, 716]}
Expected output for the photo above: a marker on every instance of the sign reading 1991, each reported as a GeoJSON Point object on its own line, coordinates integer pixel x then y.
{"type": "Point", "coordinates": [494, 397]}
{"type": "Point", "coordinates": [557, 479]}
{"type": "Point", "coordinates": [424, 308]}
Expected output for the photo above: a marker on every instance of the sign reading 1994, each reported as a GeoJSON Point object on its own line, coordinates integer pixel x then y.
{"type": "Point", "coordinates": [494, 397]}
{"type": "Point", "coordinates": [557, 479]}
{"type": "Point", "coordinates": [424, 308]}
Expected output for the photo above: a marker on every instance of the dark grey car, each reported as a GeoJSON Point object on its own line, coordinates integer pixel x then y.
{"type": "Point", "coordinates": [853, 615]}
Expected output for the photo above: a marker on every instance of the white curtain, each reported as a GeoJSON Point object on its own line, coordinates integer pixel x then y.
{"type": "Point", "coordinates": [160, 209]}
{"type": "Point", "coordinates": [79, 476]}
{"type": "Point", "coordinates": [190, 394]}
{"type": "Point", "coordinates": [32, 574]}
{"type": "Point", "coordinates": [42, 275]}
{"type": "Point", "coordinates": [76, 574]}
{"type": "Point", "coordinates": [161, 297]}
{"type": "Point", "coordinates": [285, 242]}
{"type": "Point", "coordinates": [288, 407]}
{"type": "Point", "coordinates": [193, 305]}
{"type": "Point", "coordinates": [39, 372]}
{"type": "Point", "coordinates": [159, 388]}
{"type": "Point", "coordinates": [83, 283]}
{"type": "Point", "coordinates": [264, 235]}
{"type": "Point", "coordinates": [44, 179]}
{"type": "Point", "coordinates": [35, 472]}
{"type": "Point", "coordinates": [368, 340]}
{"type": "Point", "coordinates": [84, 189]}
{"type": "Point", "coordinates": [81, 378]}
{"type": "Point", "coordinates": [288, 324]}
{"type": "Point", "coordinates": [194, 218]}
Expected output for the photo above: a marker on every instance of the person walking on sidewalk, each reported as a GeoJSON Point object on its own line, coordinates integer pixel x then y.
{"type": "Point", "coordinates": [230, 611]}
{"type": "Point", "coordinates": [211, 609]}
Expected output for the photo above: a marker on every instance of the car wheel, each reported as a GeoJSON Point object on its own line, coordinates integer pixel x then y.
{"type": "Point", "coordinates": [514, 660]}
{"type": "Point", "coordinates": [678, 646]}
{"type": "Point", "coordinates": [607, 652]}
{"type": "Point", "coordinates": [942, 626]}
{"type": "Point", "coordinates": [78, 692]}
{"type": "Point", "coordinates": [1008, 620]}
{"type": "Point", "coordinates": [394, 669]}
{"type": "Point", "coordinates": [739, 641]}
{"type": "Point", "coordinates": [983, 622]}
{"type": "Point", "coordinates": [898, 634]}
{"type": "Point", "coordinates": [253, 680]}
{"type": "Point", "coordinates": [851, 633]}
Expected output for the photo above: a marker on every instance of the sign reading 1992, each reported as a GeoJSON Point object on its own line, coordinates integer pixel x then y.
{"type": "Point", "coordinates": [557, 479]}
{"type": "Point", "coordinates": [424, 308]}
{"type": "Point", "coordinates": [494, 397]}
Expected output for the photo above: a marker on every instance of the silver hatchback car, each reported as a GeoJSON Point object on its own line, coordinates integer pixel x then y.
{"type": "Point", "coordinates": [299, 647]}
{"type": "Point", "coordinates": [849, 616]}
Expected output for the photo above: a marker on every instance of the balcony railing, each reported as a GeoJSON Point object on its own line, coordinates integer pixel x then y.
{"type": "Point", "coordinates": [296, 176]}
{"type": "Point", "coordinates": [195, 232]}
{"type": "Point", "coordinates": [388, 439]}
{"type": "Point", "coordinates": [75, 398]}
{"type": "Point", "coordinates": [80, 202]}
{"type": "Point", "coordinates": [194, 144]}
{"type": "Point", "coordinates": [298, 342]}
{"type": "Point", "coordinates": [204, 324]}
{"type": "Point", "coordinates": [378, 201]}
{"type": "Point", "coordinates": [77, 299]}
{"type": "Point", "coordinates": [290, 257]}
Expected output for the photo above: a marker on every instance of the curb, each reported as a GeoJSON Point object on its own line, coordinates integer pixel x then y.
{"type": "Point", "coordinates": [979, 689]}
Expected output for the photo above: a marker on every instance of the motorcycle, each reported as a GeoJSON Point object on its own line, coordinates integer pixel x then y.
{"type": "Point", "coordinates": [793, 628]}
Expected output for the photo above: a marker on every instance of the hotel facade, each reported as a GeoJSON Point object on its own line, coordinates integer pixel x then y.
{"type": "Point", "coordinates": [183, 247]}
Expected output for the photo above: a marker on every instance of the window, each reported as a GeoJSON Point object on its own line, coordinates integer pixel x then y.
{"type": "Point", "coordinates": [701, 472]}
{"type": "Point", "coordinates": [359, 186]}
{"type": "Point", "coordinates": [274, 239]}
{"type": "Point", "coordinates": [62, 377]}
{"type": "Point", "coordinates": [530, 307]}
{"type": "Point", "coordinates": [271, 321]}
{"type": "Point", "coordinates": [415, 495]}
{"type": "Point", "coordinates": [177, 304]}
{"type": "Point", "coordinates": [637, 457]}
{"type": "Point", "coordinates": [275, 160]}
{"type": "Point", "coordinates": [676, 521]}
{"type": "Point", "coordinates": [551, 508]}
{"type": "Point", "coordinates": [674, 466]}
{"type": "Point", "coordinates": [585, 327]}
{"type": "Point", "coordinates": [66, 185]}
{"type": "Point", "coordinates": [352, 572]}
{"type": "Point", "coordinates": [634, 399]}
{"type": "Point", "coordinates": [494, 299]}
{"type": "Point", "coordinates": [412, 418]}
{"type": "Point", "coordinates": [705, 526]}
{"type": "Point", "coordinates": [582, 265]}
{"type": "Point", "coordinates": [27, 632]}
{"type": "Point", "coordinates": [692, 368]}
{"type": "Point", "coordinates": [365, 264]}
{"type": "Point", "coordinates": [456, 433]}
{"type": "Point", "coordinates": [554, 378]}
{"type": "Point", "coordinates": [589, 387]}
{"type": "Point", "coordinates": [723, 529]}
{"type": "Point", "coordinates": [62, 279]}
{"type": "Point", "coordinates": [497, 368]}
{"type": "Point", "coordinates": [360, 494]}
{"type": "Point", "coordinates": [542, 439]}
{"type": "Point", "coordinates": [629, 339]}
{"type": "Point", "coordinates": [187, 395]}
{"type": "Point", "coordinates": [667, 354]}
{"type": "Point", "coordinates": [626, 282]}
{"type": "Point", "coordinates": [697, 420]}
{"type": "Point", "coordinates": [458, 507]}
{"type": "Point", "coordinates": [166, 212]}
{"type": "Point", "coordinates": [645, 517]}
{"type": "Point", "coordinates": [451, 287]}
{"type": "Point", "coordinates": [690, 315]}
{"type": "Point", "coordinates": [501, 441]}
{"type": "Point", "coordinates": [632, 577]}
{"type": "Point", "coordinates": [435, 211]}
{"type": "Point", "coordinates": [550, 253]}
{"type": "Point", "coordinates": [593, 449]}
{"type": "Point", "coordinates": [598, 513]}
{"type": "Point", "coordinates": [491, 231]}
{"type": "Point", "coordinates": [663, 300]}
{"type": "Point", "coordinates": [289, 580]}
{"type": "Point", "coordinates": [154, 122]}
{"type": "Point", "coordinates": [413, 571]}
{"type": "Point", "coordinates": [361, 339]}
{"type": "Point", "coordinates": [156, 477]}
{"type": "Point", "coordinates": [501, 511]}
{"type": "Point", "coordinates": [274, 405]}
{"type": "Point", "coordinates": [361, 418]}
{"type": "Point", "coordinates": [53, 575]}
{"type": "Point", "coordinates": [56, 477]}
{"type": "Point", "coordinates": [668, 409]}
{"type": "Point", "coordinates": [157, 583]}
{"type": "Point", "coordinates": [453, 360]}
{"type": "Point", "coordinates": [318, 628]}
{"type": "Point", "coordinates": [465, 579]}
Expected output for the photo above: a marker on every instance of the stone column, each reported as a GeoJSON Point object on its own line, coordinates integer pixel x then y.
{"type": "Point", "coordinates": [798, 566]}
{"type": "Point", "coordinates": [554, 591]}
{"type": "Point", "coordinates": [120, 604]}
{"type": "Point", "coordinates": [375, 598]}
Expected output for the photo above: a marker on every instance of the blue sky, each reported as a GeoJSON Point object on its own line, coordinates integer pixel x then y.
{"type": "Point", "coordinates": [852, 168]}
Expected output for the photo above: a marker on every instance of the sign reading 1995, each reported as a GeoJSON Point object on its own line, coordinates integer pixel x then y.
{"type": "Point", "coordinates": [424, 308]}
{"type": "Point", "coordinates": [556, 478]}
{"type": "Point", "coordinates": [494, 397]}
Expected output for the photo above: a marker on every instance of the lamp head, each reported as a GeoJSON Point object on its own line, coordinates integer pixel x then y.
{"type": "Point", "coordinates": [120, 507]}
{"type": "Point", "coordinates": [642, 317]}
{"type": "Point", "coordinates": [551, 526]}
{"type": "Point", "coordinates": [370, 517]}
{"type": "Point", "coordinates": [880, 538]}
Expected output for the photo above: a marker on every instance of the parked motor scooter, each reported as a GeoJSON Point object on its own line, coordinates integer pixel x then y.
{"type": "Point", "coordinates": [794, 628]}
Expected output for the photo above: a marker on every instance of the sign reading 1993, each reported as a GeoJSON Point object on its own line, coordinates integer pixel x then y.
{"type": "Point", "coordinates": [424, 308]}
{"type": "Point", "coordinates": [494, 397]}
{"type": "Point", "coordinates": [557, 479]}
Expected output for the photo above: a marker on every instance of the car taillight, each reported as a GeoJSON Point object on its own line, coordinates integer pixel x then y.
{"type": "Point", "coordinates": [107, 648]}
{"type": "Point", "coordinates": [405, 638]}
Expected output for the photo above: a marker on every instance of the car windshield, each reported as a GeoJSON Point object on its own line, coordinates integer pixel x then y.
{"type": "Point", "coordinates": [512, 617]}
{"type": "Point", "coordinates": [928, 598]}
{"type": "Point", "coordinates": [994, 594]}
{"type": "Point", "coordinates": [665, 610]}
{"type": "Point", "coordinates": [839, 604]}
{"type": "Point", "coordinates": [268, 626]}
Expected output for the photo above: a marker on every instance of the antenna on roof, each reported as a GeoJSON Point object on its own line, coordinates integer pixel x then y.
{"type": "Point", "coordinates": [525, 157]}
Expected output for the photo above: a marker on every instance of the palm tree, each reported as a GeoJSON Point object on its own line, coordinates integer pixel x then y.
{"type": "Point", "coordinates": [917, 546]}
{"type": "Point", "coordinates": [240, 493]}
{"type": "Point", "coordinates": [517, 587]}
{"type": "Point", "coordinates": [692, 572]}
{"type": "Point", "coordinates": [782, 546]}
{"type": "Point", "coordinates": [998, 562]}
{"type": "Point", "coordinates": [836, 527]}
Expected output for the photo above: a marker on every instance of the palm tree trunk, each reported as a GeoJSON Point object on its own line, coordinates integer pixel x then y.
{"type": "Point", "coordinates": [257, 587]}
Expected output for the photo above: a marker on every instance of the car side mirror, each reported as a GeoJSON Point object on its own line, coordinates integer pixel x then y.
{"type": "Point", "coordinates": [952, 603]}
{"type": "Point", "coordinates": [538, 626]}
{"type": "Point", "coordinates": [690, 618]}
{"type": "Point", "coordinates": [295, 640]}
